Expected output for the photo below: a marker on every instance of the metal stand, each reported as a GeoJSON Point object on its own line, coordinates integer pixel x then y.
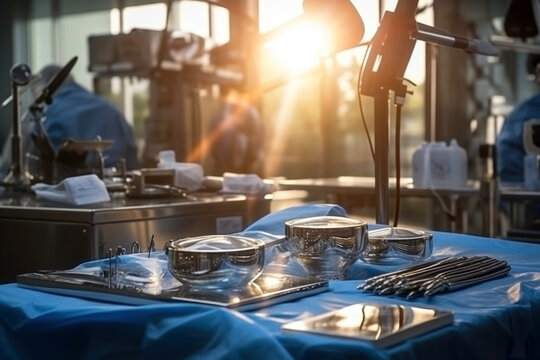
{"type": "Point", "coordinates": [489, 189]}
{"type": "Point", "coordinates": [16, 178]}
{"type": "Point", "coordinates": [381, 157]}
{"type": "Point", "coordinates": [390, 52]}
{"type": "Point", "coordinates": [391, 49]}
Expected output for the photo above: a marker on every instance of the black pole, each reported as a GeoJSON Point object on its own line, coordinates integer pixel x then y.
{"type": "Point", "coordinates": [381, 157]}
{"type": "Point", "coordinates": [16, 151]}
{"type": "Point", "coordinates": [20, 76]}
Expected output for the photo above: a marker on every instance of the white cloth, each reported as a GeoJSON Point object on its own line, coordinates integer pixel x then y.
{"type": "Point", "coordinates": [187, 175]}
{"type": "Point", "coordinates": [249, 184]}
{"type": "Point", "coordinates": [77, 190]}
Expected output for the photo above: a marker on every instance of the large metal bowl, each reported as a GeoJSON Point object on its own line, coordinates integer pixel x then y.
{"type": "Point", "coordinates": [396, 245]}
{"type": "Point", "coordinates": [326, 245]}
{"type": "Point", "coordinates": [216, 261]}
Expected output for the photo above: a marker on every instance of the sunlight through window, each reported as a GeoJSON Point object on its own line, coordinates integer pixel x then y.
{"type": "Point", "coordinates": [145, 17]}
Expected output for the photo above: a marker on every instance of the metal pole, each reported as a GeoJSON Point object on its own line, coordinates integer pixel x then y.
{"type": "Point", "coordinates": [381, 157]}
{"type": "Point", "coordinates": [16, 150]}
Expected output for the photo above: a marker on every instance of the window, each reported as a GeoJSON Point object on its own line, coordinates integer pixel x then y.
{"type": "Point", "coordinates": [59, 30]}
{"type": "Point", "coordinates": [151, 16]}
{"type": "Point", "coordinates": [305, 138]}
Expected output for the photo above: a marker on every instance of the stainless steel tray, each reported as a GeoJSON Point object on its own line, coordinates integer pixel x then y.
{"type": "Point", "coordinates": [382, 325]}
{"type": "Point", "coordinates": [267, 289]}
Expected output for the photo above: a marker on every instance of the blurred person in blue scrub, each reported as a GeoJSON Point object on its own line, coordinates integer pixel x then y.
{"type": "Point", "coordinates": [510, 147]}
{"type": "Point", "coordinates": [78, 114]}
{"type": "Point", "coordinates": [512, 158]}
{"type": "Point", "coordinates": [237, 134]}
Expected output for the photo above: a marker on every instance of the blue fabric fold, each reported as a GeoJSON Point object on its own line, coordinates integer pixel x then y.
{"type": "Point", "coordinates": [274, 223]}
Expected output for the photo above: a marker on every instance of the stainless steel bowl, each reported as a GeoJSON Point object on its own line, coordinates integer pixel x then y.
{"type": "Point", "coordinates": [216, 261]}
{"type": "Point", "coordinates": [326, 245]}
{"type": "Point", "coordinates": [394, 245]}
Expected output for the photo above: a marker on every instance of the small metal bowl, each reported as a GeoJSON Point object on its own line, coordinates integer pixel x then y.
{"type": "Point", "coordinates": [216, 261]}
{"type": "Point", "coordinates": [396, 245]}
{"type": "Point", "coordinates": [326, 245]}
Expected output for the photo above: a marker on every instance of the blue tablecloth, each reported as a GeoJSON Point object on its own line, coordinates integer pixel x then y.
{"type": "Point", "coordinates": [499, 319]}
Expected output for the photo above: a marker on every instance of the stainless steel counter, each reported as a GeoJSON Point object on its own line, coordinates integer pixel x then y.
{"type": "Point", "coordinates": [366, 186]}
{"type": "Point", "coordinates": [341, 190]}
{"type": "Point", "coordinates": [523, 213]}
{"type": "Point", "coordinates": [37, 234]}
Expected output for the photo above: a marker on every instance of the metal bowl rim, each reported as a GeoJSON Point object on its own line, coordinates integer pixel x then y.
{"type": "Point", "coordinates": [343, 222]}
{"type": "Point", "coordinates": [256, 244]}
{"type": "Point", "coordinates": [415, 234]}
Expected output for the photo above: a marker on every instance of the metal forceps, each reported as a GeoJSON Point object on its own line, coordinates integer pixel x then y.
{"type": "Point", "coordinates": [437, 276]}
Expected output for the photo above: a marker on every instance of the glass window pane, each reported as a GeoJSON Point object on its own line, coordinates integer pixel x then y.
{"type": "Point", "coordinates": [349, 146]}
{"type": "Point", "coordinates": [145, 17]}
{"type": "Point", "coordinates": [194, 18]}
{"type": "Point", "coordinates": [132, 94]}
{"type": "Point", "coordinates": [369, 12]}
{"type": "Point", "coordinates": [73, 33]}
{"type": "Point", "coordinates": [115, 21]}
{"type": "Point", "coordinates": [290, 105]}
{"type": "Point", "coordinates": [273, 13]}
{"type": "Point", "coordinates": [292, 118]}
{"type": "Point", "coordinates": [40, 32]}
{"type": "Point", "coordinates": [41, 44]}
{"type": "Point", "coordinates": [220, 25]}
{"type": "Point", "coordinates": [296, 107]}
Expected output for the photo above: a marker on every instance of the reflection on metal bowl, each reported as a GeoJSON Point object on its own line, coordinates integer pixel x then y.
{"type": "Point", "coordinates": [395, 245]}
{"type": "Point", "coordinates": [222, 295]}
{"type": "Point", "coordinates": [326, 245]}
{"type": "Point", "coordinates": [216, 261]}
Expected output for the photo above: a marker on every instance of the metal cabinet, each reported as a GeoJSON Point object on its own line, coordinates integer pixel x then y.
{"type": "Point", "coordinates": [38, 235]}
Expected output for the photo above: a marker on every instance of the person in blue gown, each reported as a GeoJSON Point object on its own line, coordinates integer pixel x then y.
{"type": "Point", "coordinates": [82, 115]}
{"type": "Point", "coordinates": [237, 134]}
{"type": "Point", "coordinates": [510, 143]}
{"type": "Point", "coordinates": [78, 114]}
{"type": "Point", "coordinates": [510, 149]}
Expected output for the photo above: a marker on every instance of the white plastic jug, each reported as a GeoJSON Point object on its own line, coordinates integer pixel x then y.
{"type": "Point", "coordinates": [418, 164]}
{"type": "Point", "coordinates": [436, 164]}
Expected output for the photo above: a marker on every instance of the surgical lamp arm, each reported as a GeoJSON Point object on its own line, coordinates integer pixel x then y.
{"type": "Point", "coordinates": [390, 52]}
{"type": "Point", "coordinates": [433, 35]}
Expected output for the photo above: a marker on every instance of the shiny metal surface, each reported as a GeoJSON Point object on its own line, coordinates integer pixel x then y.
{"type": "Point", "coordinates": [120, 208]}
{"type": "Point", "coordinates": [326, 245]}
{"type": "Point", "coordinates": [267, 289]}
{"type": "Point", "coordinates": [394, 245]}
{"type": "Point", "coordinates": [57, 236]}
{"type": "Point", "coordinates": [216, 261]}
{"type": "Point", "coordinates": [382, 324]}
